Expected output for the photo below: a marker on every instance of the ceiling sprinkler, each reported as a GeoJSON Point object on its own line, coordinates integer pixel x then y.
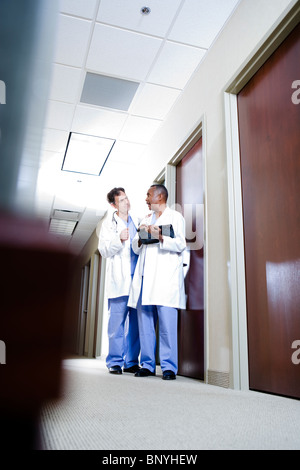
{"type": "Point", "coordinates": [145, 10]}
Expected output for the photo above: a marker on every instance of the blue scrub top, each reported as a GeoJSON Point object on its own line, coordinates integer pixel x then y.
{"type": "Point", "coordinates": [132, 232]}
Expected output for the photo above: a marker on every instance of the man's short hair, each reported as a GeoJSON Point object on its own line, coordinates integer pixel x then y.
{"type": "Point", "coordinates": [162, 190]}
{"type": "Point", "coordinates": [113, 193]}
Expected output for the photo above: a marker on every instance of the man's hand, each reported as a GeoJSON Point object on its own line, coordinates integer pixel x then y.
{"type": "Point", "coordinates": [124, 235]}
{"type": "Point", "coordinates": [156, 232]}
{"type": "Point", "coordinates": [144, 227]}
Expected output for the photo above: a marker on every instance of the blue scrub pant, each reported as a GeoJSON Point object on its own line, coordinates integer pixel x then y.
{"type": "Point", "coordinates": [123, 334]}
{"type": "Point", "coordinates": [168, 350]}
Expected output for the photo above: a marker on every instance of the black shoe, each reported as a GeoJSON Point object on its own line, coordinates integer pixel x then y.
{"type": "Point", "coordinates": [132, 369]}
{"type": "Point", "coordinates": [115, 370]}
{"type": "Point", "coordinates": [144, 373]}
{"type": "Point", "coordinates": [169, 375]}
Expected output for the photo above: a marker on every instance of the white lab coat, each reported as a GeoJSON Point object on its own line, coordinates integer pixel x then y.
{"type": "Point", "coordinates": [161, 266]}
{"type": "Point", "coordinates": [118, 266]}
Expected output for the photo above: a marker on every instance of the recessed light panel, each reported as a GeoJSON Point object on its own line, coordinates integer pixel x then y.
{"type": "Point", "coordinates": [86, 154]}
{"type": "Point", "coordinates": [109, 92]}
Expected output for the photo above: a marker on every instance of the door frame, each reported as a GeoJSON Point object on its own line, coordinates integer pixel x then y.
{"type": "Point", "coordinates": [281, 29]}
{"type": "Point", "coordinates": [168, 175]}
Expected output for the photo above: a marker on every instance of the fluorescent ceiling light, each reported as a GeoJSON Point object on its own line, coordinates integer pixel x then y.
{"type": "Point", "coordinates": [86, 153]}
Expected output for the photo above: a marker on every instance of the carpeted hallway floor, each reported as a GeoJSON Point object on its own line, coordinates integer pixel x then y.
{"type": "Point", "coordinates": [101, 411]}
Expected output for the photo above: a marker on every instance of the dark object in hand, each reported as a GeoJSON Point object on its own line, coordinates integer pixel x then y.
{"type": "Point", "coordinates": [146, 238]}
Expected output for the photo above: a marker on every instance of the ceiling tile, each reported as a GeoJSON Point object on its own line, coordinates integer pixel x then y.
{"type": "Point", "coordinates": [154, 101]}
{"type": "Point", "coordinates": [90, 227]}
{"type": "Point", "coordinates": [54, 140]}
{"type": "Point", "coordinates": [43, 205]}
{"type": "Point", "coordinates": [139, 130]}
{"type": "Point", "coordinates": [60, 203]}
{"type": "Point", "coordinates": [59, 115]}
{"type": "Point", "coordinates": [175, 65]}
{"type": "Point", "coordinates": [48, 157]}
{"type": "Point", "coordinates": [161, 50]}
{"type": "Point", "coordinates": [81, 235]}
{"type": "Point", "coordinates": [27, 173]}
{"type": "Point", "coordinates": [88, 216]}
{"type": "Point", "coordinates": [72, 40]}
{"type": "Point", "coordinates": [65, 83]}
{"type": "Point", "coordinates": [75, 190]}
{"type": "Point", "coordinates": [99, 122]}
{"type": "Point", "coordinates": [128, 15]}
{"type": "Point", "coordinates": [126, 152]}
{"type": "Point", "coordinates": [121, 53]}
{"type": "Point", "coordinates": [200, 21]}
{"type": "Point", "coordinates": [82, 8]}
{"type": "Point", "coordinates": [115, 175]}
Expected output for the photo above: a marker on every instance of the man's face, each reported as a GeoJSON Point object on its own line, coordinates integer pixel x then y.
{"type": "Point", "coordinates": [122, 203]}
{"type": "Point", "coordinates": [152, 199]}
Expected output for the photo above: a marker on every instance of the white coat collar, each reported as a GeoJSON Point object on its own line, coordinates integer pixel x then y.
{"type": "Point", "coordinates": [118, 220]}
{"type": "Point", "coordinates": [165, 213]}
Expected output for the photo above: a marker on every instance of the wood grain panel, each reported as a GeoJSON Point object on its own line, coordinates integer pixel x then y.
{"type": "Point", "coordinates": [189, 191]}
{"type": "Point", "coordinates": [269, 123]}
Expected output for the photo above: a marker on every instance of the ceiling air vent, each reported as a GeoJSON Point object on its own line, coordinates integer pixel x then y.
{"type": "Point", "coordinates": [109, 92]}
{"type": "Point", "coordinates": [63, 222]}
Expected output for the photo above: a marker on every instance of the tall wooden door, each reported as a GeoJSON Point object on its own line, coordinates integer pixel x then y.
{"type": "Point", "coordinates": [83, 308]}
{"type": "Point", "coordinates": [189, 194]}
{"type": "Point", "coordinates": [269, 123]}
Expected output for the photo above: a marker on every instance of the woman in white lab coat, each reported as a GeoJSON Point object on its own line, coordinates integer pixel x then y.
{"type": "Point", "coordinates": [158, 284]}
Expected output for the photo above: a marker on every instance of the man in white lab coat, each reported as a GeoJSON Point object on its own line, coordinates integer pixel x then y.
{"type": "Point", "coordinates": [115, 239]}
{"type": "Point", "coordinates": [158, 285]}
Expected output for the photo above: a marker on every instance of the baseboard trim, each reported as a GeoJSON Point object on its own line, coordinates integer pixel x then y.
{"type": "Point", "coordinates": [220, 379]}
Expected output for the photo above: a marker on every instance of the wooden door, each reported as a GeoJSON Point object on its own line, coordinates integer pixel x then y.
{"type": "Point", "coordinates": [269, 123]}
{"type": "Point", "coordinates": [83, 309]}
{"type": "Point", "coordinates": [189, 194]}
